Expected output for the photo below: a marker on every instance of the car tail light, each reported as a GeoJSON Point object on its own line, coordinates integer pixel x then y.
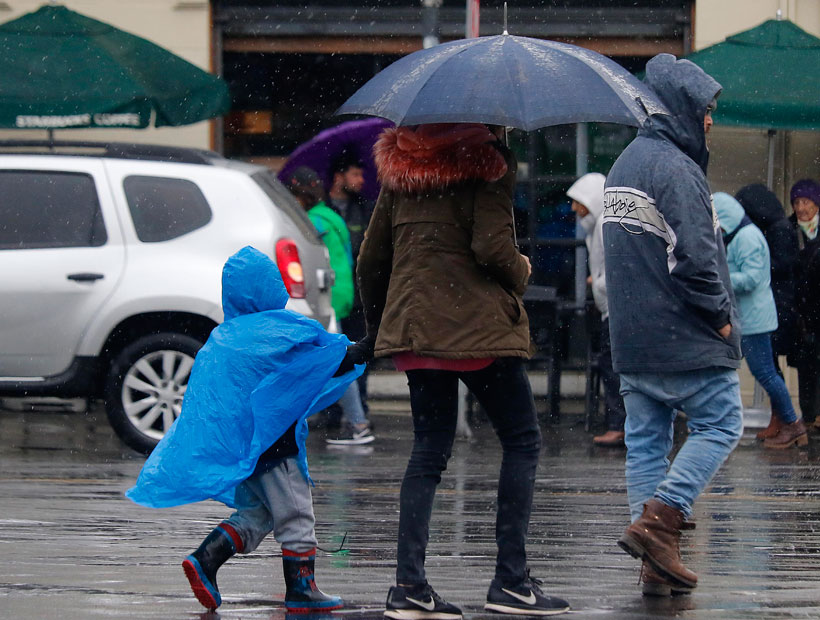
{"type": "Point", "coordinates": [287, 258]}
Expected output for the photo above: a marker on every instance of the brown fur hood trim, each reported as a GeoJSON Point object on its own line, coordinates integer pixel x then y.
{"type": "Point", "coordinates": [421, 158]}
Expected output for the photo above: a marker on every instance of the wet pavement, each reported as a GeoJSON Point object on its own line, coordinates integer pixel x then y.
{"type": "Point", "coordinates": [71, 546]}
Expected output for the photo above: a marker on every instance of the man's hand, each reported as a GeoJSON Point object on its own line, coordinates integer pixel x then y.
{"type": "Point", "coordinates": [725, 331]}
{"type": "Point", "coordinates": [529, 267]}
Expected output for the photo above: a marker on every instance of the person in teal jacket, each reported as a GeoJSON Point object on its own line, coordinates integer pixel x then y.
{"type": "Point", "coordinates": [305, 184]}
{"type": "Point", "coordinates": [747, 254]}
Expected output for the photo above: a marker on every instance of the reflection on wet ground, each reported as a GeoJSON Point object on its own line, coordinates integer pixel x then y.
{"type": "Point", "coordinates": [71, 546]}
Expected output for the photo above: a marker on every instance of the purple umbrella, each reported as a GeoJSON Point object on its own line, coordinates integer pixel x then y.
{"type": "Point", "coordinates": [351, 138]}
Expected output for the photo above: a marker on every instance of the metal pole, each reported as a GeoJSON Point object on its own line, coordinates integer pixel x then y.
{"type": "Point", "coordinates": [219, 68]}
{"type": "Point", "coordinates": [429, 18]}
{"type": "Point", "coordinates": [473, 21]}
{"type": "Point", "coordinates": [581, 168]}
{"type": "Point", "coordinates": [770, 163]}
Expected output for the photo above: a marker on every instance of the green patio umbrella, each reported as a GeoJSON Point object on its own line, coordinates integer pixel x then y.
{"type": "Point", "coordinates": [60, 69]}
{"type": "Point", "coordinates": [770, 76]}
{"type": "Point", "coordinates": [771, 79]}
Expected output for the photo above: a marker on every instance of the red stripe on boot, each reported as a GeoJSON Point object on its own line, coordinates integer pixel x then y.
{"type": "Point", "coordinates": [287, 553]}
{"type": "Point", "coordinates": [235, 537]}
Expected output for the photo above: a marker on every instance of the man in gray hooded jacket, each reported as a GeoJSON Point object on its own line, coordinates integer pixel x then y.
{"type": "Point", "coordinates": [674, 326]}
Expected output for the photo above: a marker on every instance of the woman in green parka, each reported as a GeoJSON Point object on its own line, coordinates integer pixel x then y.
{"type": "Point", "coordinates": [442, 281]}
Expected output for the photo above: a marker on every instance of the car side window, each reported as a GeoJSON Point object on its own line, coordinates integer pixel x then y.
{"type": "Point", "coordinates": [164, 208]}
{"type": "Point", "coordinates": [48, 209]}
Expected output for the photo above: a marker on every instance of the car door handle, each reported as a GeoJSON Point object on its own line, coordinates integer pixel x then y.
{"type": "Point", "coordinates": [85, 277]}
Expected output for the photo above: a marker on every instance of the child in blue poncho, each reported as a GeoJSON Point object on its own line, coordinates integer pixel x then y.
{"type": "Point", "coordinates": [241, 436]}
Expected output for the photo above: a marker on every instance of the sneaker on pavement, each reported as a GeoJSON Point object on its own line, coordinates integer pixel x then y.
{"type": "Point", "coordinates": [524, 599]}
{"type": "Point", "coordinates": [418, 603]}
{"type": "Point", "coordinates": [351, 436]}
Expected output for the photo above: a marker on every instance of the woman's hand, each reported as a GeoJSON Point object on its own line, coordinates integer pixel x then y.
{"type": "Point", "coordinates": [360, 352]}
{"type": "Point", "coordinates": [529, 266]}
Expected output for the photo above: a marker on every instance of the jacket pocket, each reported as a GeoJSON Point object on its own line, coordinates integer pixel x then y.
{"type": "Point", "coordinates": [512, 306]}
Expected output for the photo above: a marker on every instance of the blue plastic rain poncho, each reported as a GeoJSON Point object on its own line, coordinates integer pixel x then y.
{"type": "Point", "coordinates": [260, 371]}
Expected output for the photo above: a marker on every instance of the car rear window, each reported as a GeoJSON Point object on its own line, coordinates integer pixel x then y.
{"type": "Point", "coordinates": [282, 198]}
{"type": "Point", "coordinates": [165, 208]}
{"type": "Point", "coordinates": [47, 209]}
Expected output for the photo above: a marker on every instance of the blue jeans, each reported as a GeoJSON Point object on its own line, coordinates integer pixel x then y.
{"type": "Point", "coordinates": [351, 404]}
{"type": "Point", "coordinates": [710, 397]}
{"type": "Point", "coordinates": [757, 349]}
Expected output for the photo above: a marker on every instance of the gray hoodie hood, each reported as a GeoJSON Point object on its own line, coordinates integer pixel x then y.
{"type": "Point", "coordinates": [686, 90]}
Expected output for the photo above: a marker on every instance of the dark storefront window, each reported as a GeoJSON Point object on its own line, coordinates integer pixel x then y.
{"type": "Point", "coordinates": [282, 100]}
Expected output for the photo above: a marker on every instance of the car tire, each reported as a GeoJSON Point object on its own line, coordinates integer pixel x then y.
{"type": "Point", "coordinates": [145, 386]}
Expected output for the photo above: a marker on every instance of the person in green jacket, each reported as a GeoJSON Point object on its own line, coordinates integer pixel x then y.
{"type": "Point", "coordinates": [307, 187]}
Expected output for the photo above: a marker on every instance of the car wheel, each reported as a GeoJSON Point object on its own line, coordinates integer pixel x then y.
{"type": "Point", "coordinates": [145, 386]}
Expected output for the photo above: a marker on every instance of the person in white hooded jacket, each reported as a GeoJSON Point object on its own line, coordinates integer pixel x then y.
{"type": "Point", "coordinates": [587, 194]}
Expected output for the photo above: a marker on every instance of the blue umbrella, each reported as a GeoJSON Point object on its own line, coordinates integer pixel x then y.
{"type": "Point", "coordinates": [505, 80]}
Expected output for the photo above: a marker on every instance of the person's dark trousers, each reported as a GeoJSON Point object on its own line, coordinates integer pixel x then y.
{"type": "Point", "coordinates": [614, 410]}
{"type": "Point", "coordinates": [503, 390]}
{"type": "Point", "coordinates": [808, 382]}
{"type": "Point", "coordinates": [353, 326]}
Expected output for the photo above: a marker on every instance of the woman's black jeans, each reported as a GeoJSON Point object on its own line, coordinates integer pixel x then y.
{"type": "Point", "coordinates": [503, 390]}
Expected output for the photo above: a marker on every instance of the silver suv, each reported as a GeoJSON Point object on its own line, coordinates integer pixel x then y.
{"type": "Point", "coordinates": [110, 265]}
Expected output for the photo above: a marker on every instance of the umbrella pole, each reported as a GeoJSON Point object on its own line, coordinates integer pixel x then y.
{"type": "Point", "coordinates": [770, 163]}
{"type": "Point", "coordinates": [506, 142]}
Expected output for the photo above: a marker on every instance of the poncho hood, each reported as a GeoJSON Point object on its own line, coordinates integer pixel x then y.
{"type": "Point", "coordinates": [420, 158]}
{"type": "Point", "coordinates": [251, 282]}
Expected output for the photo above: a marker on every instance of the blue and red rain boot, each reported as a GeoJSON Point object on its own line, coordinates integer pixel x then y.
{"type": "Point", "coordinates": [303, 595]}
{"type": "Point", "coordinates": [200, 567]}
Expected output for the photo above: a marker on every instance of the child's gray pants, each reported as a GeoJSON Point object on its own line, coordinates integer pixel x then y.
{"type": "Point", "coordinates": [275, 500]}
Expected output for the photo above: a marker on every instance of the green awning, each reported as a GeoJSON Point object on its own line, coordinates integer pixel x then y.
{"type": "Point", "coordinates": [770, 76]}
{"type": "Point", "coordinates": [61, 69]}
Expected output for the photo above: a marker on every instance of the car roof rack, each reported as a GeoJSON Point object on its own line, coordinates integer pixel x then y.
{"type": "Point", "coordinates": [114, 150]}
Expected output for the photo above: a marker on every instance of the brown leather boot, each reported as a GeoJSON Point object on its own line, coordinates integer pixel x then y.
{"type": "Point", "coordinates": [789, 435]}
{"type": "Point", "coordinates": [655, 537]}
{"type": "Point", "coordinates": [610, 438]}
{"type": "Point", "coordinates": [775, 424]}
{"type": "Point", "coordinates": [652, 584]}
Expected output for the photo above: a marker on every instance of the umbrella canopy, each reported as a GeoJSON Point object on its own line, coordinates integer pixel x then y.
{"type": "Point", "coordinates": [505, 80]}
{"type": "Point", "coordinates": [770, 76]}
{"type": "Point", "coordinates": [62, 69]}
{"type": "Point", "coordinates": [351, 138]}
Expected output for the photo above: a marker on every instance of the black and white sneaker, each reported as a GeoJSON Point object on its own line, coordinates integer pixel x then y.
{"type": "Point", "coordinates": [524, 599]}
{"type": "Point", "coordinates": [418, 603]}
{"type": "Point", "coordinates": [351, 436]}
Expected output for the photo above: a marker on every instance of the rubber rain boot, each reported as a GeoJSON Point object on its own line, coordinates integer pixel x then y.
{"type": "Point", "coordinates": [303, 595]}
{"type": "Point", "coordinates": [200, 567]}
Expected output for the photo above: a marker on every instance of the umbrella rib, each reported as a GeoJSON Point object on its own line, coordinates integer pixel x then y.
{"type": "Point", "coordinates": [619, 85]}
